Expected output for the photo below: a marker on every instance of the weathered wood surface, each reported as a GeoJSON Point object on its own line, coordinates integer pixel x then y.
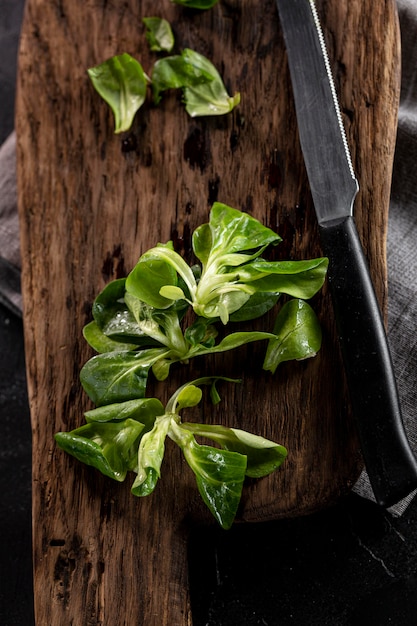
{"type": "Point", "coordinates": [90, 202]}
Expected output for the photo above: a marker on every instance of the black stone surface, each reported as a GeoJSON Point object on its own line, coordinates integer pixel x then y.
{"type": "Point", "coordinates": [15, 478]}
{"type": "Point", "coordinates": [350, 565]}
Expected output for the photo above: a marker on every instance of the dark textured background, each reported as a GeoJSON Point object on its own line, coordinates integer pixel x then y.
{"type": "Point", "coordinates": [352, 564]}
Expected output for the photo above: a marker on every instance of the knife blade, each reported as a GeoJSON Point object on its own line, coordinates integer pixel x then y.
{"type": "Point", "coordinates": [388, 457]}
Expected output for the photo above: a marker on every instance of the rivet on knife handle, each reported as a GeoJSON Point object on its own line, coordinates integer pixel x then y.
{"type": "Point", "coordinates": [389, 460]}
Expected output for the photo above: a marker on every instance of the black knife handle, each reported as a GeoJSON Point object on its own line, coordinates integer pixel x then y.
{"type": "Point", "coordinates": [389, 460]}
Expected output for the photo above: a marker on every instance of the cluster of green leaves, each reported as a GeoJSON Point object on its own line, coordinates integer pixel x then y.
{"type": "Point", "coordinates": [140, 325]}
{"type": "Point", "coordinates": [122, 82]}
{"type": "Point", "coordinates": [138, 322]}
{"type": "Point", "coordinates": [130, 437]}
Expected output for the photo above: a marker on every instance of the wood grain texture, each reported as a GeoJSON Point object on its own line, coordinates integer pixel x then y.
{"type": "Point", "coordinates": [91, 202]}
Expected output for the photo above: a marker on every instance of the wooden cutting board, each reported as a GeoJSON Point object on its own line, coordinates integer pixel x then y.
{"type": "Point", "coordinates": [91, 202]}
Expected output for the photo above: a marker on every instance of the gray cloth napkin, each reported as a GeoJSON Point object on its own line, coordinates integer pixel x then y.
{"type": "Point", "coordinates": [9, 229]}
{"type": "Point", "coordinates": [402, 239]}
{"type": "Point", "coordinates": [402, 242]}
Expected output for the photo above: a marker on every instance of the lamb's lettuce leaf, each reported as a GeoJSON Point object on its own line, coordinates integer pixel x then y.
{"type": "Point", "coordinates": [159, 34]}
{"type": "Point", "coordinates": [122, 83]}
{"type": "Point", "coordinates": [297, 335]}
{"type": "Point", "coordinates": [109, 446]}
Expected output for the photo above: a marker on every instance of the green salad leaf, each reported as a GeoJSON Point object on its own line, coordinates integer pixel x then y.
{"type": "Point", "coordinates": [114, 318]}
{"type": "Point", "coordinates": [203, 89]}
{"type": "Point", "coordinates": [122, 83]}
{"type": "Point", "coordinates": [150, 455]}
{"type": "Point", "coordinates": [142, 410]}
{"type": "Point", "coordinates": [118, 376]}
{"type": "Point", "coordinates": [176, 72]}
{"type": "Point", "coordinates": [159, 34]}
{"type": "Point", "coordinates": [297, 335]}
{"type": "Point", "coordinates": [207, 98]}
{"type": "Point", "coordinates": [219, 474]}
{"type": "Point", "coordinates": [263, 456]}
{"type": "Point", "coordinates": [100, 342]}
{"type": "Point", "coordinates": [108, 446]}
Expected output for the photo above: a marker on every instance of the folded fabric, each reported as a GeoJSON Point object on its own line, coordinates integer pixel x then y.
{"type": "Point", "coordinates": [402, 242]}
{"type": "Point", "coordinates": [9, 229]}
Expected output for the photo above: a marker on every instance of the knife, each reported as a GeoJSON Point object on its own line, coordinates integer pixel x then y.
{"type": "Point", "coordinates": [389, 460]}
